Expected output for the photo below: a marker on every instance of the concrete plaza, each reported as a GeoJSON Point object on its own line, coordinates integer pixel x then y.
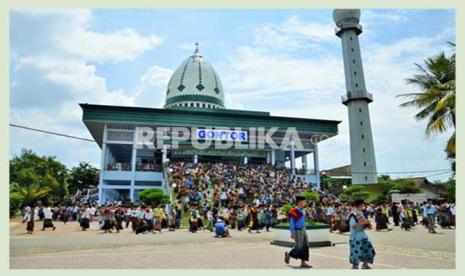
{"type": "Point", "coordinates": [68, 247]}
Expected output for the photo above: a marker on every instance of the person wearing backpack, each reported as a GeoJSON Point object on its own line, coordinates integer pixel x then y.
{"type": "Point", "coordinates": [361, 249]}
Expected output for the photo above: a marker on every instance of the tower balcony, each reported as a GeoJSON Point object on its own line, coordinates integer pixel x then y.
{"type": "Point", "coordinates": [348, 26]}
{"type": "Point", "coordinates": [368, 97]}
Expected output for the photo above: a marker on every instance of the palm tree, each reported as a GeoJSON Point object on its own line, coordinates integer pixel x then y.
{"type": "Point", "coordinates": [437, 100]}
{"type": "Point", "coordinates": [31, 193]}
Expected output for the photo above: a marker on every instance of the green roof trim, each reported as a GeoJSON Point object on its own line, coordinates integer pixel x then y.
{"type": "Point", "coordinates": [194, 98]}
{"type": "Point", "coordinates": [96, 116]}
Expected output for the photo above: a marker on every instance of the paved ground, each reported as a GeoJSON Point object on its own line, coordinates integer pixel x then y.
{"type": "Point", "coordinates": [68, 247]}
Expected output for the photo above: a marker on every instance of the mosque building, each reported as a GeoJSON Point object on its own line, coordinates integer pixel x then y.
{"type": "Point", "coordinates": [194, 101]}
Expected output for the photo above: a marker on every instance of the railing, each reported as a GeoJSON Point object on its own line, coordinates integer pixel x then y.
{"type": "Point", "coordinates": [305, 172]}
{"type": "Point", "coordinates": [141, 167]}
{"type": "Point", "coordinates": [115, 166]}
{"type": "Point", "coordinates": [148, 167]}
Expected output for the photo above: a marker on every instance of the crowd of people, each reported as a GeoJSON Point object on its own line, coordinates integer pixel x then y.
{"type": "Point", "coordinates": [111, 217]}
{"type": "Point", "coordinates": [242, 196]}
{"type": "Point", "coordinates": [221, 197]}
{"type": "Point", "coordinates": [405, 214]}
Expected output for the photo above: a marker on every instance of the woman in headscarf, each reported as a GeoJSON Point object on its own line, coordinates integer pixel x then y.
{"type": "Point", "coordinates": [29, 220]}
{"type": "Point", "coordinates": [361, 249]}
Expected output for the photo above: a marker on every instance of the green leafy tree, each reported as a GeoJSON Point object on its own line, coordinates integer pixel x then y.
{"type": "Point", "coordinates": [406, 186]}
{"type": "Point", "coordinates": [450, 193]}
{"type": "Point", "coordinates": [436, 102]}
{"type": "Point", "coordinates": [16, 201]}
{"type": "Point", "coordinates": [83, 176]}
{"type": "Point", "coordinates": [354, 192]}
{"type": "Point", "coordinates": [34, 178]}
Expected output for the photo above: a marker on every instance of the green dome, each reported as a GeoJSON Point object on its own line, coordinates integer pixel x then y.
{"type": "Point", "coordinates": [195, 84]}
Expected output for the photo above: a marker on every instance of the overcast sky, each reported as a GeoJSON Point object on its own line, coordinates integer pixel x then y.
{"type": "Point", "coordinates": [287, 62]}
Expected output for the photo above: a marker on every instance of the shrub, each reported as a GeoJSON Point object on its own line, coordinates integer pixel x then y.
{"type": "Point", "coordinates": [154, 196]}
{"type": "Point", "coordinates": [311, 196]}
{"type": "Point", "coordinates": [379, 199]}
{"type": "Point", "coordinates": [284, 210]}
{"type": "Point", "coordinates": [360, 195]}
{"type": "Point", "coordinates": [344, 197]}
{"type": "Point", "coordinates": [353, 189]}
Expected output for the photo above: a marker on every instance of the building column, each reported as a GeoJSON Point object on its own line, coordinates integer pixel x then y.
{"type": "Point", "coordinates": [164, 152]}
{"type": "Point", "coordinates": [246, 160]}
{"type": "Point", "coordinates": [133, 159]}
{"type": "Point", "coordinates": [316, 165]}
{"type": "Point", "coordinates": [196, 159]}
{"type": "Point", "coordinates": [102, 165]}
{"type": "Point", "coordinates": [305, 163]}
{"type": "Point", "coordinates": [273, 157]}
{"type": "Point", "coordinates": [268, 157]}
{"type": "Point", "coordinates": [133, 166]}
{"type": "Point", "coordinates": [131, 191]}
{"type": "Point", "coordinates": [292, 157]}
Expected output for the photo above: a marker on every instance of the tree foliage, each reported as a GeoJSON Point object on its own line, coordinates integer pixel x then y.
{"type": "Point", "coordinates": [406, 186]}
{"type": "Point", "coordinates": [83, 176]}
{"type": "Point", "coordinates": [436, 101]}
{"type": "Point", "coordinates": [451, 190]}
{"type": "Point", "coordinates": [34, 179]}
{"type": "Point", "coordinates": [354, 192]}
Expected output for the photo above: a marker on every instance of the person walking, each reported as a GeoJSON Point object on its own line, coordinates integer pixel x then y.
{"type": "Point", "coordinates": [29, 219]}
{"type": "Point", "coordinates": [430, 211]}
{"type": "Point", "coordinates": [85, 218]}
{"type": "Point", "coordinates": [48, 218]}
{"type": "Point", "coordinates": [298, 234]}
{"type": "Point", "coordinates": [395, 213]}
{"type": "Point", "coordinates": [361, 249]}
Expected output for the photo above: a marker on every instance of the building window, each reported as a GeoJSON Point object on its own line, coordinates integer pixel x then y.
{"type": "Point", "coordinates": [198, 104]}
{"type": "Point", "coordinates": [353, 61]}
{"type": "Point", "coordinates": [361, 123]}
{"type": "Point", "coordinates": [360, 110]}
{"type": "Point", "coordinates": [356, 85]}
{"type": "Point", "coordinates": [363, 136]}
{"type": "Point", "coordinates": [363, 149]}
{"type": "Point", "coordinates": [350, 38]}
{"type": "Point", "coordinates": [352, 49]}
{"type": "Point", "coordinates": [366, 178]}
{"type": "Point", "coordinates": [192, 104]}
{"type": "Point", "coordinates": [365, 163]}
{"type": "Point", "coordinates": [355, 73]}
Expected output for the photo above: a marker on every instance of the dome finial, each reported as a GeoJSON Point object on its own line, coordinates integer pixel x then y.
{"type": "Point", "coordinates": [197, 51]}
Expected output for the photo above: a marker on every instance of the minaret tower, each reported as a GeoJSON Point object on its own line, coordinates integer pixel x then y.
{"type": "Point", "coordinates": [362, 153]}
